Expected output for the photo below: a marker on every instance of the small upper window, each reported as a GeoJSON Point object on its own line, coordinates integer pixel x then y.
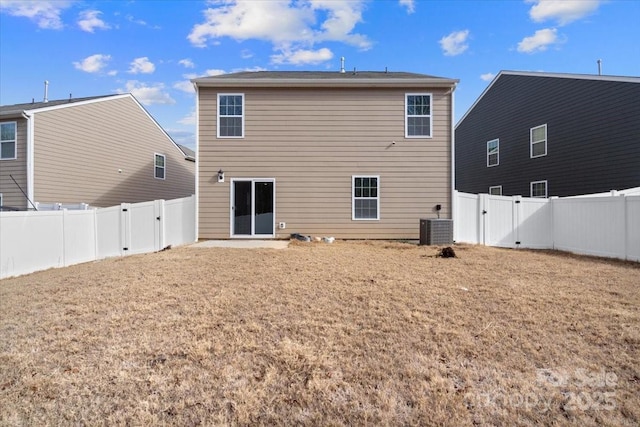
{"type": "Point", "coordinates": [366, 197]}
{"type": "Point", "coordinates": [495, 190]}
{"type": "Point", "coordinates": [493, 152]}
{"type": "Point", "coordinates": [8, 143]}
{"type": "Point", "coordinates": [159, 166]}
{"type": "Point", "coordinates": [417, 115]}
{"type": "Point", "coordinates": [539, 189]}
{"type": "Point", "coordinates": [230, 115]}
{"type": "Point", "coordinates": [538, 141]}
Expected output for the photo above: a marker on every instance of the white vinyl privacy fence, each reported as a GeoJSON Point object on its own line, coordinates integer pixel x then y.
{"type": "Point", "coordinates": [600, 225]}
{"type": "Point", "coordinates": [33, 241]}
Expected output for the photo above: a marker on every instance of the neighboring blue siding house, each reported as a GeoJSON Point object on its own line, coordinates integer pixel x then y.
{"type": "Point", "coordinates": [543, 134]}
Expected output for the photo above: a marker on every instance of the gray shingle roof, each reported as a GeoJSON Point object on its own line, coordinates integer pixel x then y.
{"type": "Point", "coordinates": [17, 109]}
{"type": "Point", "coordinates": [323, 78]}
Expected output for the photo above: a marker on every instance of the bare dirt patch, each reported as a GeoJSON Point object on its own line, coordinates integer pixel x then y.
{"type": "Point", "coordinates": [348, 333]}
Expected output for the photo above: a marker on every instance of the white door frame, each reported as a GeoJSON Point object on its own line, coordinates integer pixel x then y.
{"type": "Point", "coordinates": [253, 207]}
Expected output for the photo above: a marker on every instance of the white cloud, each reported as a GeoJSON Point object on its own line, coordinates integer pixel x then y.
{"type": "Point", "coordinates": [409, 4]}
{"type": "Point", "coordinates": [539, 41]}
{"type": "Point", "coordinates": [186, 63]}
{"type": "Point", "coordinates": [214, 72]}
{"type": "Point", "coordinates": [186, 85]}
{"type": "Point", "coordinates": [288, 26]}
{"type": "Point", "coordinates": [487, 76]}
{"type": "Point", "coordinates": [46, 14]}
{"type": "Point", "coordinates": [246, 54]}
{"type": "Point", "coordinates": [93, 64]}
{"type": "Point", "coordinates": [303, 56]}
{"type": "Point", "coordinates": [142, 65]}
{"type": "Point", "coordinates": [189, 119]}
{"type": "Point", "coordinates": [147, 94]}
{"type": "Point", "coordinates": [89, 21]}
{"type": "Point", "coordinates": [562, 11]}
{"type": "Point", "coordinates": [455, 43]}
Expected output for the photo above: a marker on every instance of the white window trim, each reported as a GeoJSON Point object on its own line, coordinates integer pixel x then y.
{"type": "Point", "coordinates": [497, 152]}
{"type": "Point", "coordinates": [218, 116]}
{"type": "Point", "coordinates": [156, 166]}
{"type": "Point", "coordinates": [353, 198]}
{"type": "Point", "coordinates": [546, 137]}
{"type": "Point", "coordinates": [15, 142]}
{"type": "Point", "coordinates": [546, 188]}
{"type": "Point", "coordinates": [406, 116]}
{"type": "Point", "coordinates": [498, 187]}
{"type": "Point", "coordinates": [1, 199]}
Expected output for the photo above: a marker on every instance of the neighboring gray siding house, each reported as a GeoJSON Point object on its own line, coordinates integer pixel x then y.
{"type": "Point", "coordinates": [349, 155]}
{"type": "Point", "coordinates": [542, 134]}
{"type": "Point", "coordinates": [102, 151]}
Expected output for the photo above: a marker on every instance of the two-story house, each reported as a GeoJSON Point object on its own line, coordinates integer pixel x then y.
{"type": "Point", "coordinates": [542, 134]}
{"type": "Point", "coordinates": [102, 151]}
{"type": "Point", "coordinates": [343, 154]}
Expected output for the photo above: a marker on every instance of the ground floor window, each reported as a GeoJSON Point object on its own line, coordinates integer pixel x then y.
{"type": "Point", "coordinates": [365, 197]}
{"type": "Point", "coordinates": [539, 189]}
{"type": "Point", "coordinates": [495, 190]}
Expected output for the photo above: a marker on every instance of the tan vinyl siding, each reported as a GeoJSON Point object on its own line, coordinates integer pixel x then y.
{"type": "Point", "coordinates": [312, 141]}
{"type": "Point", "coordinates": [79, 151]}
{"type": "Point", "coordinates": [11, 194]}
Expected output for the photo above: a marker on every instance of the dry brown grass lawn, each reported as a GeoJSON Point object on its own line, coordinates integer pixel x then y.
{"type": "Point", "coordinates": [351, 333]}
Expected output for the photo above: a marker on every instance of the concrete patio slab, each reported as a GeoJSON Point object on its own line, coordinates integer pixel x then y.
{"type": "Point", "coordinates": [243, 244]}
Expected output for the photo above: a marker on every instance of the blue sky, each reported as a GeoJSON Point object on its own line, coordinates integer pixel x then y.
{"type": "Point", "coordinates": [153, 48]}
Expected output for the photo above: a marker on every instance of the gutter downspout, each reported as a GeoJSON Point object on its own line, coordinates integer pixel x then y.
{"type": "Point", "coordinates": [30, 156]}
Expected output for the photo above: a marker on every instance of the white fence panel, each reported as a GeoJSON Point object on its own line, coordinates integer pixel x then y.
{"type": "Point", "coordinates": [602, 225]}
{"type": "Point", "coordinates": [633, 228]}
{"type": "Point", "coordinates": [108, 234]}
{"type": "Point", "coordinates": [466, 224]}
{"type": "Point", "coordinates": [32, 241]}
{"type": "Point", "coordinates": [179, 221]}
{"type": "Point", "coordinates": [535, 223]}
{"type": "Point", "coordinates": [144, 227]}
{"type": "Point", "coordinates": [591, 226]}
{"type": "Point", "coordinates": [79, 241]}
{"type": "Point", "coordinates": [499, 221]}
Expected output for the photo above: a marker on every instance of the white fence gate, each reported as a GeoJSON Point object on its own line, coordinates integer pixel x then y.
{"type": "Point", "coordinates": [599, 225]}
{"type": "Point", "coordinates": [33, 241]}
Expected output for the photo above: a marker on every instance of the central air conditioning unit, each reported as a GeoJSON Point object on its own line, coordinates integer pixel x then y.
{"type": "Point", "coordinates": [436, 231]}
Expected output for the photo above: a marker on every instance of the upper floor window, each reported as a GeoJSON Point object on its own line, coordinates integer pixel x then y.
{"type": "Point", "coordinates": [366, 197]}
{"type": "Point", "coordinates": [8, 143]}
{"type": "Point", "coordinates": [230, 115]}
{"type": "Point", "coordinates": [538, 141]}
{"type": "Point", "coordinates": [539, 189]}
{"type": "Point", "coordinates": [418, 118]}
{"type": "Point", "coordinates": [159, 170]}
{"type": "Point", "coordinates": [493, 152]}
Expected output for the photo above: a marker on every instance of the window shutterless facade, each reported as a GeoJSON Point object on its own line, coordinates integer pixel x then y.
{"type": "Point", "coordinates": [495, 190]}
{"type": "Point", "coordinates": [8, 143]}
{"type": "Point", "coordinates": [160, 167]}
{"type": "Point", "coordinates": [230, 115]}
{"type": "Point", "coordinates": [538, 139]}
{"type": "Point", "coordinates": [538, 189]}
{"type": "Point", "coordinates": [418, 118]}
{"type": "Point", "coordinates": [365, 197]}
{"type": "Point", "coordinates": [493, 152]}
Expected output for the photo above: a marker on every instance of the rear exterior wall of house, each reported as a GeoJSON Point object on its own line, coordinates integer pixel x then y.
{"type": "Point", "coordinates": [312, 142]}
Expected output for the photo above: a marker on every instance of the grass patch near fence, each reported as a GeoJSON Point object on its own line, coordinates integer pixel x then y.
{"type": "Point", "coordinates": [349, 333]}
